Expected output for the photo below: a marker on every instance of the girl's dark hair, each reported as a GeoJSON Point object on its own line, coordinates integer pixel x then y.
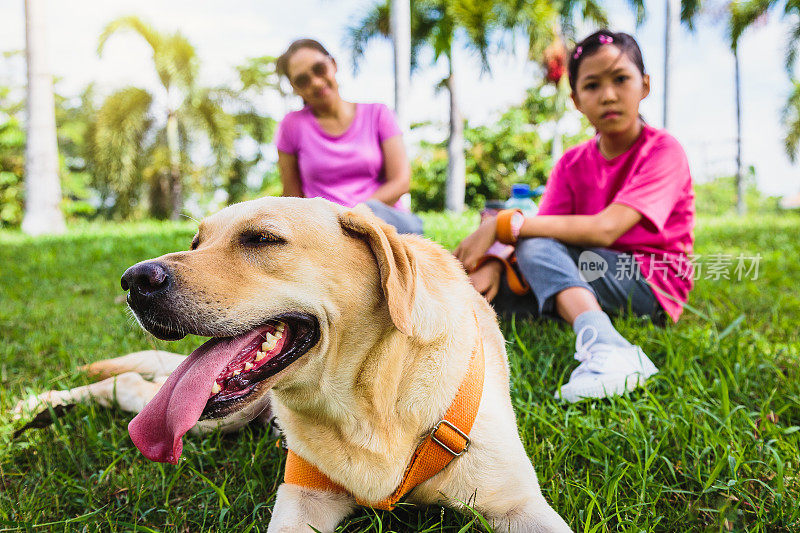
{"type": "Point", "coordinates": [589, 46]}
{"type": "Point", "coordinates": [282, 64]}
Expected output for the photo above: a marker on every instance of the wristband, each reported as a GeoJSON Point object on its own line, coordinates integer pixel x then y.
{"type": "Point", "coordinates": [509, 224]}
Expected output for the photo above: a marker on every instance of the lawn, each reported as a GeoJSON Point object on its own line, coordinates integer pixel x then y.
{"type": "Point", "coordinates": [712, 444]}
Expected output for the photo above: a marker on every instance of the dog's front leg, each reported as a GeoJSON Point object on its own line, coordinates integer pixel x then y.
{"type": "Point", "coordinates": [129, 391]}
{"type": "Point", "coordinates": [298, 509]}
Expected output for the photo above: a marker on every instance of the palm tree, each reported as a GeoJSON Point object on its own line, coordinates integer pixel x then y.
{"type": "Point", "coordinates": [791, 121]}
{"type": "Point", "coordinates": [134, 127]}
{"type": "Point", "coordinates": [434, 24]}
{"type": "Point", "coordinates": [689, 9]}
{"type": "Point", "coordinates": [42, 185]}
{"type": "Point", "coordinates": [746, 12]}
{"type": "Point", "coordinates": [735, 30]}
{"type": "Point", "coordinates": [741, 206]}
{"type": "Point", "coordinates": [736, 27]}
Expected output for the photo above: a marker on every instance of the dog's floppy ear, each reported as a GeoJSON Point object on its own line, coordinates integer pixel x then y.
{"type": "Point", "coordinates": [395, 263]}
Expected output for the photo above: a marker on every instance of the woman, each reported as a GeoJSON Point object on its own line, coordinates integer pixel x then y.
{"type": "Point", "coordinates": [342, 151]}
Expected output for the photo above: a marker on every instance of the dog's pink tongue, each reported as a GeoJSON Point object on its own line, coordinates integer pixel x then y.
{"type": "Point", "coordinates": [158, 429]}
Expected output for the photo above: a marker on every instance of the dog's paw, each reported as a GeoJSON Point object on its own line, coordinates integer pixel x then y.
{"type": "Point", "coordinates": [34, 405]}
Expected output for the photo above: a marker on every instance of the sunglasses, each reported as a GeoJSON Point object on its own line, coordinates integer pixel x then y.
{"type": "Point", "coordinates": [318, 69]}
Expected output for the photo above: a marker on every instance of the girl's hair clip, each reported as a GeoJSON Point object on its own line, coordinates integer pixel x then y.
{"type": "Point", "coordinates": [605, 39]}
{"type": "Point", "coordinates": [577, 53]}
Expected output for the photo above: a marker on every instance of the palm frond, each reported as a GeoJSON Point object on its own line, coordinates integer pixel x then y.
{"type": "Point", "coordinates": [259, 74]}
{"type": "Point", "coordinates": [174, 56]}
{"type": "Point", "coordinates": [638, 8]}
{"type": "Point", "coordinates": [690, 9]}
{"type": "Point", "coordinates": [248, 120]}
{"type": "Point", "coordinates": [131, 23]}
{"type": "Point", "coordinates": [593, 11]}
{"type": "Point", "coordinates": [208, 118]}
{"type": "Point", "coordinates": [479, 20]}
{"type": "Point", "coordinates": [790, 118]}
{"type": "Point", "coordinates": [116, 142]}
{"type": "Point", "coordinates": [178, 58]}
{"type": "Point", "coordinates": [743, 13]}
{"type": "Point", "coordinates": [793, 40]}
{"type": "Point", "coordinates": [425, 16]}
{"type": "Point", "coordinates": [375, 24]}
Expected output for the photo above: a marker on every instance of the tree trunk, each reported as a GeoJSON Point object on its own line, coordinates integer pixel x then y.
{"type": "Point", "coordinates": [160, 194]}
{"type": "Point", "coordinates": [400, 21]}
{"type": "Point", "coordinates": [562, 93]}
{"type": "Point", "coordinates": [176, 180]}
{"type": "Point", "coordinates": [741, 206]}
{"type": "Point", "coordinates": [456, 165]}
{"type": "Point", "coordinates": [42, 187]}
{"type": "Point", "coordinates": [670, 28]}
{"type": "Point", "coordinates": [400, 13]}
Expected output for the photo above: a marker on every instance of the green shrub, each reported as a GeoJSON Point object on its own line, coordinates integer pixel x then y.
{"type": "Point", "coordinates": [512, 150]}
{"type": "Point", "coordinates": [718, 197]}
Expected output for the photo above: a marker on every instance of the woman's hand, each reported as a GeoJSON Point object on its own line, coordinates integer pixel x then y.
{"type": "Point", "coordinates": [486, 279]}
{"type": "Point", "coordinates": [474, 246]}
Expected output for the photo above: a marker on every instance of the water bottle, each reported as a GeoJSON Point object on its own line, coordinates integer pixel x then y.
{"type": "Point", "coordinates": [521, 199]}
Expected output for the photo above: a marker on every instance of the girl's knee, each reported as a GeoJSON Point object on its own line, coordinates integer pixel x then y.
{"type": "Point", "coordinates": [538, 249]}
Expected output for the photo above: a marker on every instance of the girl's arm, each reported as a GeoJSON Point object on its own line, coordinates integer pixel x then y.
{"type": "Point", "coordinates": [600, 230]}
{"type": "Point", "coordinates": [290, 174]}
{"type": "Point", "coordinates": [396, 169]}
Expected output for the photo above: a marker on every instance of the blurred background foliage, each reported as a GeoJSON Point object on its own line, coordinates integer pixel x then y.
{"type": "Point", "coordinates": [517, 148]}
{"type": "Point", "coordinates": [119, 161]}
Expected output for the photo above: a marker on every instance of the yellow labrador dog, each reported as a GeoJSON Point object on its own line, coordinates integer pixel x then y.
{"type": "Point", "coordinates": [358, 338]}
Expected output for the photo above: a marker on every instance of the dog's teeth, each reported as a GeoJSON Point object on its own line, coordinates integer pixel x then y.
{"type": "Point", "coordinates": [270, 343]}
{"type": "Point", "coordinates": [260, 355]}
{"type": "Point", "coordinates": [237, 372]}
{"type": "Point", "coordinates": [279, 329]}
{"type": "Point", "coordinates": [215, 388]}
{"type": "Point", "coordinates": [248, 365]}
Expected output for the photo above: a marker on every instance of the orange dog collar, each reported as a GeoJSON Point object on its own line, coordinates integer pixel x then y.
{"type": "Point", "coordinates": [447, 440]}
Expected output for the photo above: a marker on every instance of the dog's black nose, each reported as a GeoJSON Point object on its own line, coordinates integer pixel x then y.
{"type": "Point", "coordinates": [145, 278]}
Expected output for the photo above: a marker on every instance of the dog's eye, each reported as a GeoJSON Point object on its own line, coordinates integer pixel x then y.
{"type": "Point", "coordinates": [260, 239]}
{"type": "Point", "coordinates": [195, 243]}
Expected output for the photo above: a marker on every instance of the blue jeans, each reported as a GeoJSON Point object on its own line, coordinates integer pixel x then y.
{"type": "Point", "coordinates": [402, 221]}
{"type": "Point", "coordinates": [550, 266]}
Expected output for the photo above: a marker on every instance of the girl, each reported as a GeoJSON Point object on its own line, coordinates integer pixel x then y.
{"type": "Point", "coordinates": [345, 152]}
{"type": "Point", "coordinates": [614, 227]}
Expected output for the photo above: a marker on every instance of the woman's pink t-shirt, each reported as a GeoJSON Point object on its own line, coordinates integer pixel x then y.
{"type": "Point", "coordinates": [653, 178]}
{"type": "Point", "coordinates": [346, 169]}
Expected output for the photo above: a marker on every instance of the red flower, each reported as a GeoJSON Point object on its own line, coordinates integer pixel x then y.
{"type": "Point", "coordinates": [555, 69]}
{"type": "Point", "coordinates": [555, 60]}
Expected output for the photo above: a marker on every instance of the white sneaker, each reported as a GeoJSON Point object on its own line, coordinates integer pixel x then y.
{"type": "Point", "coordinates": [605, 370]}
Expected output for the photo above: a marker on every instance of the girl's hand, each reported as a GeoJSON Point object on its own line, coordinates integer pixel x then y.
{"type": "Point", "coordinates": [474, 246]}
{"type": "Point", "coordinates": [486, 279]}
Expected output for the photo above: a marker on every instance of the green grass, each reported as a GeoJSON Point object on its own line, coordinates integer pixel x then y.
{"type": "Point", "coordinates": [710, 445]}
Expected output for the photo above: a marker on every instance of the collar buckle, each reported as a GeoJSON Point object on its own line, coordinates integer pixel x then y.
{"type": "Point", "coordinates": [458, 432]}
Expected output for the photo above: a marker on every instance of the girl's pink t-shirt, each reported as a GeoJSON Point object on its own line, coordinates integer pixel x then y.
{"type": "Point", "coordinates": [653, 178]}
{"type": "Point", "coordinates": [346, 169]}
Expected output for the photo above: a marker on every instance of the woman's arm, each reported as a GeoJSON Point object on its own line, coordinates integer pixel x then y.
{"type": "Point", "coordinates": [396, 169]}
{"type": "Point", "coordinates": [290, 174]}
{"type": "Point", "coordinates": [600, 230]}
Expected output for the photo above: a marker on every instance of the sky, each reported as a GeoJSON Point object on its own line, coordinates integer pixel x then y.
{"type": "Point", "coordinates": [226, 33]}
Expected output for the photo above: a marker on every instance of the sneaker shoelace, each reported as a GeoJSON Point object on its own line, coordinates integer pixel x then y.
{"type": "Point", "coordinates": [591, 356]}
